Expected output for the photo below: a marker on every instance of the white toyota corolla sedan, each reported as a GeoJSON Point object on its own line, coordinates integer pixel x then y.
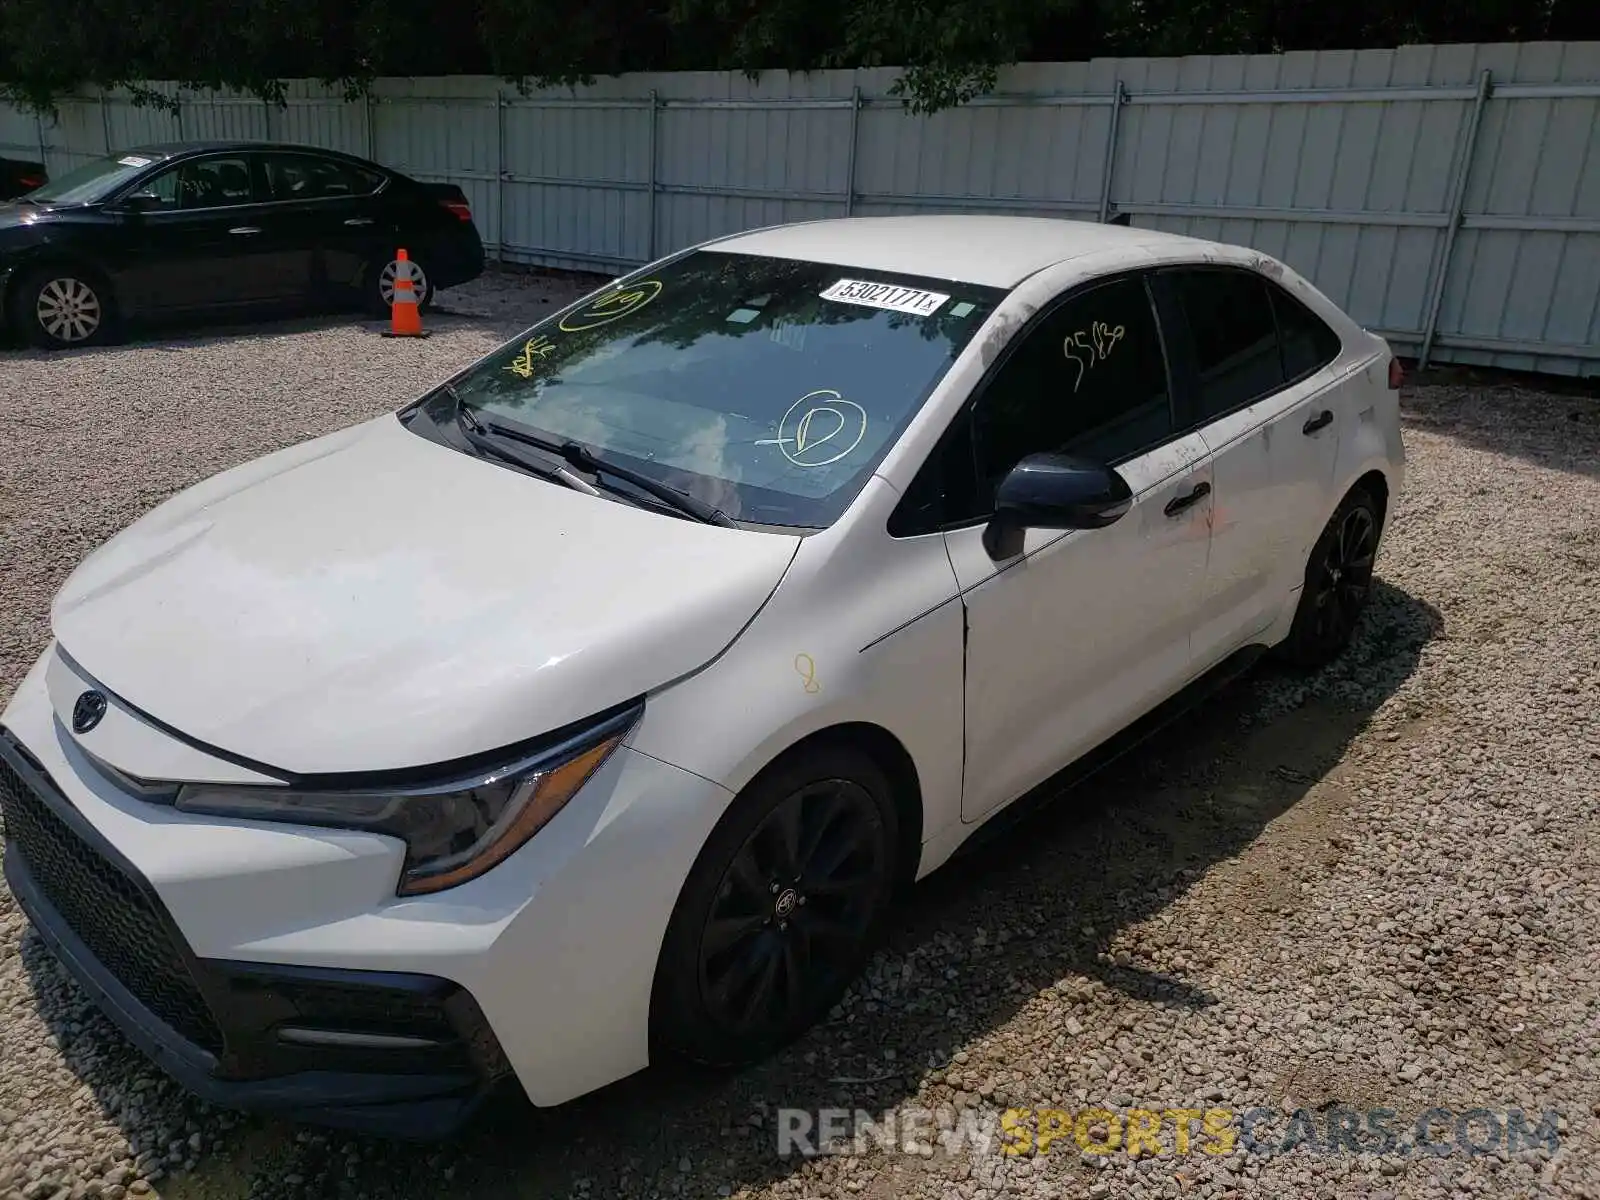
{"type": "Point", "coordinates": [594, 707]}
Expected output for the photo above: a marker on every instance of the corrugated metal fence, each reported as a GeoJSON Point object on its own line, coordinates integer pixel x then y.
{"type": "Point", "coordinates": [1447, 196]}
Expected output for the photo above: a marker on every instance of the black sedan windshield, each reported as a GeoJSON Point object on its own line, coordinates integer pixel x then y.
{"type": "Point", "coordinates": [767, 387]}
{"type": "Point", "coordinates": [93, 181]}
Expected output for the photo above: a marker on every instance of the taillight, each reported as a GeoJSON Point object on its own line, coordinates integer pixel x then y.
{"type": "Point", "coordinates": [460, 208]}
{"type": "Point", "coordinates": [1397, 374]}
{"type": "Point", "coordinates": [32, 181]}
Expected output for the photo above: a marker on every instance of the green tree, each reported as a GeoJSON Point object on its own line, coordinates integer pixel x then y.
{"type": "Point", "coordinates": [950, 50]}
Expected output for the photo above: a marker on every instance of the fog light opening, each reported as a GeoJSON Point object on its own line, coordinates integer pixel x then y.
{"type": "Point", "coordinates": [299, 1035]}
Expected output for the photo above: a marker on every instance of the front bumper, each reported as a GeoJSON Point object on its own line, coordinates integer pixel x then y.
{"type": "Point", "coordinates": [385, 1052]}
{"type": "Point", "coordinates": [556, 947]}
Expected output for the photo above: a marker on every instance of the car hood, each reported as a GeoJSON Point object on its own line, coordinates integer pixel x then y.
{"type": "Point", "coordinates": [374, 600]}
{"type": "Point", "coordinates": [14, 216]}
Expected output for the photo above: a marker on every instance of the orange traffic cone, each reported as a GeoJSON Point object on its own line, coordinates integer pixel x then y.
{"type": "Point", "coordinates": [405, 319]}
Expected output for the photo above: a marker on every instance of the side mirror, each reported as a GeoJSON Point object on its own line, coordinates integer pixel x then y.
{"type": "Point", "coordinates": [1054, 491]}
{"type": "Point", "coordinates": [140, 202]}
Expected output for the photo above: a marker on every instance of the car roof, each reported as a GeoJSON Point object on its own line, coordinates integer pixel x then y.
{"type": "Point", "coordinates": [993, 251]}
{"type": "Point", "coordinates": [166, 150]}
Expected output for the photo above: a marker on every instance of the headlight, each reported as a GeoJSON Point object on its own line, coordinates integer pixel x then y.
{"type": "Point", "coordinates": [453, 832]}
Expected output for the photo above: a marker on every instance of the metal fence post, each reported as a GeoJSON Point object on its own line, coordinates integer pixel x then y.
{"type": "Point", "coordinates": [267, 109]}
{"type": "Point", "coordinates": [500, 174]}
{"type": "Point", "coordinates": [372, 137]}
{"type": "Point", "coordinates": [850, 162]}
{"type": "Point", "coordinates": [1119, 97]}
{"type": "Point", "coordinates": [177, 112]}
{"type": "Point", "coordinates": [105, 121]}
{"type": "Point", "coordinates": [38, 125]}
{"type": "Point", "coordinates": [650, 244]}
{"type": "Point", "coordinates": [1458, 201]}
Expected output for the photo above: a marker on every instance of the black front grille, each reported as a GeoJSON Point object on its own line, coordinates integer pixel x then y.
{"type": "Point", "coordinates": [121, 923]}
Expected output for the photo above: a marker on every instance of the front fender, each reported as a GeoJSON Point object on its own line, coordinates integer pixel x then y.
{"type": "Point", "coordinates": [864, 628]}
{"type": "Point", "coordinates": [23, 259]}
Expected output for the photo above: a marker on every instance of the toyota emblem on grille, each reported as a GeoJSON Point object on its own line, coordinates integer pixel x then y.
{"type": "Point", "coordinates": [86, 713]}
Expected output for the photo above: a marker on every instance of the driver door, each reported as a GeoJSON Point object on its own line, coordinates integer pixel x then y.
{"type": "Point", "coordinates": [1083, 631]}
{"type": "Point", "coordinates": [206, 240]}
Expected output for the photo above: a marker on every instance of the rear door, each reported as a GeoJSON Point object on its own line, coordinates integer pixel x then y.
{"type": "Point", "coordinates": [334, 209]}
{"type": "Point", "coordinates": [1252, 378]}
{"type": "Point", "coordinates": [207, 239]}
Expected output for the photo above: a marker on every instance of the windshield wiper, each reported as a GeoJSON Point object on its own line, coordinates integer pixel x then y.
{"type": "Point", "coordinates": [578, 455]}
{"type": "Point", "coordinates": [477, 434]}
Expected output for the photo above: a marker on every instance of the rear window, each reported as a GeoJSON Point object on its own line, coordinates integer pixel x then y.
{"type": "Point", "coordinates": [308, 177]}
{"type": "Point", "coordinates": [1308, 344]}
{"type": "Point", "coordinates": [768, 387]}
{"type": "Point", "coordinates": [1233, 335]}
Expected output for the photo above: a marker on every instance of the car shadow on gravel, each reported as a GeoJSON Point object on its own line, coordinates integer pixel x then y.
{"type": "Point", "coordinates": [1036, 908]}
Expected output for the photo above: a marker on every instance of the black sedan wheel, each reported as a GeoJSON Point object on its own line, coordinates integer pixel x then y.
{"type": "Point", "coordinates": [381, 282]}
{"type": "Point", "coordinates": [60, 307]}
{"type": "Point", "coordinates": [1338, 583]}
{"type": "Point", "coordinates": [781, 911]}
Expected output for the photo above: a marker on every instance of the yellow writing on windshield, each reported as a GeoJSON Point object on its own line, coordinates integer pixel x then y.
{"type": "Point", "coordinates": [611, 305]}
{"type": "Point", "coordinates": [533, 348]}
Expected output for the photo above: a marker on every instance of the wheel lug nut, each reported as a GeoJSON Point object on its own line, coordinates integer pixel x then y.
{"type": "Point", "coordinates": [774, 888]}
{"type": "Point", "coordinates": [783, 926]}
{"type": "Point", "coordinates": [800, 900]}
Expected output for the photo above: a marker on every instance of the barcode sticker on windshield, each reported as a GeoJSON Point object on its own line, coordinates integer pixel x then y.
{"type": "Point", "coordinates": [885, 295]}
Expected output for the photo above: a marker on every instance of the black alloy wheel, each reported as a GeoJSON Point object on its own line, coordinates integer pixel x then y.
{"type": "Point", "coordinates": [794, 906]}
{"type": "Point", "coordinates": [1338, 583]}
{"type": "Point", "coordinates": [781, 911]}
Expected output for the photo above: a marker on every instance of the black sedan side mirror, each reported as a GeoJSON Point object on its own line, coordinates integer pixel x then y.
{"type": "Point", "coordinates": [140, 202]}
{"type": "Point", "coordinates": [1053, 491]}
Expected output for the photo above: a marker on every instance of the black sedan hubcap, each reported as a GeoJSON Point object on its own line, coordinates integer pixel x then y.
{"type": "Point", "coordinates": [1346, 576]}
{"type": "Point", "coordinates": [793, 910]}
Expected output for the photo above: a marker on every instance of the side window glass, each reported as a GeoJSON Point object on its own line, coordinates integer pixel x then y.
{"type": "Point", "coordinates": [214, 183]}
{"type": "Point", "coordinates": [163, 189]}
{"type": "Point", "coordinates": [1308, 344]}
{"type": "Point", "coordinates": [1090, 379]}
{"type": "Point", "coordinates": [306, 177]}
{"type": "Point", "coordinates": [942, 492]}
{"type": "Point", "coordinates": [1233, 335]}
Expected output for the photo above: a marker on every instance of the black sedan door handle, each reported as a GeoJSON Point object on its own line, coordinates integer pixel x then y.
{"type": "Point", "coordinates": [1178, 503]}
{"type": "Point", "coordinates": [1322, 419]}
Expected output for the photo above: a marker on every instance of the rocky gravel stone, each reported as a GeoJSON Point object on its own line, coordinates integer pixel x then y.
{"type": "Point", "coordinates": [1376, 887]}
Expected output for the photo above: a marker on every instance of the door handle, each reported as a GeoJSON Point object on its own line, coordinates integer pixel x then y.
{"type": "Point", "coordinates": [244, 230]}
{"type": "Point", "coordinates": [1321, 420]}
{"type": "Point", "coordinates": [1178, 503]}
{"type": "Point", "coordinates": [359, 221]}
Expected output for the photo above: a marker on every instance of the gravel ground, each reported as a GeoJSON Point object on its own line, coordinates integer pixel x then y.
{"type": "Point", "coordinates": [1376, 888]}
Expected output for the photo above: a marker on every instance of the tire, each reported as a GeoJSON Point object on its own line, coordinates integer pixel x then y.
{"type": "Point", "coordinates": [378, 285]}
{"type": "Point", "coordinates": [753, 913]}
{"type": "Point", "coordinates": [62, 307]}
{"type": "Point", "coordinates": [1337, 585]}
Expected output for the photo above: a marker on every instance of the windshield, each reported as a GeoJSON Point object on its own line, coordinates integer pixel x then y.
{"type": "Point", "coordinates": [767, 387]}
{"type": "Point", "coordinates": [93, 181]}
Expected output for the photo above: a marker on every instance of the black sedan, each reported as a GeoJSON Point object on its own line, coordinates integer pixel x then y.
{"type": "Point", "coordinates": [220, 226]}
{"type": "Point", "coordinates": [18, 177]}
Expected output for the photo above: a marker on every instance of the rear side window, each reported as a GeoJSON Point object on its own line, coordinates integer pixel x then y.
{"type": "Point", "coordinates": [1308, 344]}
{"type": "Point", "coordinates": [1233, 338]}
{"type": "Point", "coordinates": [307, 177]}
